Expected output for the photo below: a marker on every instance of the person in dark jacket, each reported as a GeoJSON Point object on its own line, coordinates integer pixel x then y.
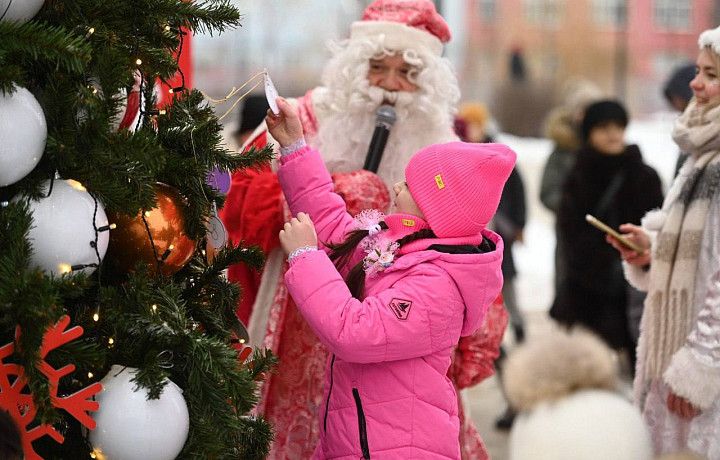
{"type": "Point", "coordinates": [611, 182]}
{"type": "Point", "coordinates": [678, 94]}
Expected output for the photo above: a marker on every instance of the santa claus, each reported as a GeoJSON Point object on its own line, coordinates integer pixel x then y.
{"type": "Point", "coordinates": [393, 56]}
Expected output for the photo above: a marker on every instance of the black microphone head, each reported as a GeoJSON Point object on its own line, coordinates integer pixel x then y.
{"type": "Point", "coordinates": [386, 115]}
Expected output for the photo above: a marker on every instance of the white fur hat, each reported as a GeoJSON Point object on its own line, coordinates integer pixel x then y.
{"type": "Point", "coordinates": [403, 25]}
{"type": "Point", "coordinates": [711, 38]}
{"type": "Point", "coordinates": [564, 386]}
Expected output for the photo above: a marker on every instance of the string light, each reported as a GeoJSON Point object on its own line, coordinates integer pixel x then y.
{"type": "Point", "coordinates": [138, 61]}
{"type": "Point", "coordinates": [168, 28]}
{"type": "Point", "coordinates": [90, 31]}
{"type": "Point", "coordinates": [111, 341]}
{"type": "Point", "coordinates": [92, 455]}
{"type": "Point", "coordinates": [154, 308]}
{"type": "Point", "coordinates": [77, 185]}
{"type": "Point", "coordinates": [242, 340]}
{"type": "Point", "coordinates": [177, 89]}
{"type": "Point", "coordinates": [90, 375]}
{"type": "Point", "coordinates": [105, 228]}
{"type": "Point", "coordinates": [96, 317]}
{"type": "Point", "coordinates": [156, 112]}
{"type": "Point", "coordinates": [147, 213]}
{"type": "Point", "coordinates": [166, 254]}
{"type": "Point", "coordinates": [66, 268]}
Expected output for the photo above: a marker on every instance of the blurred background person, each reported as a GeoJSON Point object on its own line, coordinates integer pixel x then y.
{"type": "Point", "coordinates": [677, 92]}
{"type": "Point", "coordinates": [252, 115]}
{"type": "Point", "coordinates": [521, 99]}
{"type": "Point", "coordinates": [562, 127]}
{"type": "Point", "coordinates": [610, 181]}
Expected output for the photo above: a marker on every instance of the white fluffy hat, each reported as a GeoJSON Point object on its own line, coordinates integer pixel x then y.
{"type": "Point", "coordinates": [403, 25]}
{"type": "Point", "coordinates": [711, 38]}
{"type": "Point", "coordinates": [564, 387]}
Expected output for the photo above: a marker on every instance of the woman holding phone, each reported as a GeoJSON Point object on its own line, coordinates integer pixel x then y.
{"type": "Point", "coordinates": [677, 380]}
{"type": "Point", "coordinates": [610, 181]}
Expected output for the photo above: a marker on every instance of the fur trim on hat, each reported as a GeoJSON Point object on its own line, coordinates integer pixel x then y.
{"type": "Point", "coordinates": [559, 128]}
{"type": "Point", "coordinates": [398, 36]}
{"type": "Point", "coordinates": [711, 38]}
{"type": "Point", "coordinates": [556, 366]}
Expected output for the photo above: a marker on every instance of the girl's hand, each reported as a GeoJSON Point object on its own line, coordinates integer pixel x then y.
{"type": "Point", "coordinates": [681, 407]}
{"type": "Point", "coordinates": [636, 235]}
{"type": "Point", "coordinates": [297, 233]}
{"type": "Point", "coordinates": [285, 127]}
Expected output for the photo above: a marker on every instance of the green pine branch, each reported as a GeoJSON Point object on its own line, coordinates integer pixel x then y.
{"type": "Point", "coordinates": [41, 43]}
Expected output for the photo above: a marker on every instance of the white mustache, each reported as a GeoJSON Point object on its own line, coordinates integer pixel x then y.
{"type": "Point", "coordinates": [379, 95]}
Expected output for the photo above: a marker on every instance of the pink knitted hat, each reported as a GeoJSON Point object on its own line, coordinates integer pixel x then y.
{"type": "Point", "coordinates": [408, 24]}
{"type": "Point", "coordinates": [457, 185]}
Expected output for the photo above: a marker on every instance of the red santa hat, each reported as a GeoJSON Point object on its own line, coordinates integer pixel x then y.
{"type": "Point", "coordinates": [406, 24]}
{"type": "Point", "coordinates": [711, 38]}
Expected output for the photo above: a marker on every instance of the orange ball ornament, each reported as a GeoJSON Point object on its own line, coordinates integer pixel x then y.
{"type": "Point", "coordinates": [130, 241]}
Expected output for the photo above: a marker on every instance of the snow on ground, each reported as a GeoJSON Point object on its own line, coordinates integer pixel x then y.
{"type": "Point", "coordinates": [534, 257]}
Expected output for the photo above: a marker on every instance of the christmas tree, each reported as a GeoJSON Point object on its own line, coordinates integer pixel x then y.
{"type": "Point", "coordinates": [106, 222]}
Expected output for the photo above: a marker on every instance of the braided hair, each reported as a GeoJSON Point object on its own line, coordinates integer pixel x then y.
{"type": "Point", "coordinates": [341, 253]}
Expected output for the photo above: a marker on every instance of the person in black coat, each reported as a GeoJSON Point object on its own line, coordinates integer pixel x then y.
{"type": "Point", "coordinates": [509, 222]}
{"type": "Point", "coordinates": [611, 182]}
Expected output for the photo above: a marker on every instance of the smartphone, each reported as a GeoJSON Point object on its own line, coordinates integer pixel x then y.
{"type": "Point", "coordinates": [607, 229]}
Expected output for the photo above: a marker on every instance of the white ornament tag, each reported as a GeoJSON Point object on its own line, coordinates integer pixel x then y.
{"type": "Point", "coordinates": [271, 93]}
{"type": "Point", "coordinates": [217, 235]}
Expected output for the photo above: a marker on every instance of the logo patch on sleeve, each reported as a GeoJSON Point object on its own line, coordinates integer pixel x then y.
{"type": "Point", "coordinates": [401, 308]}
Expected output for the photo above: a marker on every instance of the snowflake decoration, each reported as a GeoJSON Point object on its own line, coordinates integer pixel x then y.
{"type": "Point", "coordinates": [20, 404]}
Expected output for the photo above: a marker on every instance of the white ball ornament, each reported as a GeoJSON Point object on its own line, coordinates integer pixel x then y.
{"type": "Point", "coordinates": [23, 132]}
{"type": "Point", "coordinates": [131, 427]}
{"type": "Point", "coordinates": [19, 10]}
{"type": "Point", "coordinates": [62, 230]}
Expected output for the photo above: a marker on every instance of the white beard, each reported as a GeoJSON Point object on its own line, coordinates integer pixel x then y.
{"type": "Point", "coordinates": [346, 128]}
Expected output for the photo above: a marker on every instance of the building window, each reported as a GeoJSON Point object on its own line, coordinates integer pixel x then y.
{"type": "Point", "coordinates": [673, 14]}
{"type": "Point", "coordinates": [609, 12]}
{"type": "Point", "coordinates": [487, 10]}
{"type": "Point", "coordinates": [544, 12]}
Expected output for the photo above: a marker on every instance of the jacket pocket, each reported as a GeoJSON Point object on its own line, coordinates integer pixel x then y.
{"type": "Point", "coordinates": [327, 402]}
{"type": "Point", "coordinates": [361, 425]}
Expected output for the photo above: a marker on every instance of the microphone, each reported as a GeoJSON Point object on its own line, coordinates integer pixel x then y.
{"type": "Point", "coordinates": [385, 118]}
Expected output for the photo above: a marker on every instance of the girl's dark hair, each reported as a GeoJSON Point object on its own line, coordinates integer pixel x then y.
{"type": "Point", "coordinates": [341, 253]}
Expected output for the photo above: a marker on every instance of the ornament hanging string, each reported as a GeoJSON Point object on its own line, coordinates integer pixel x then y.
{"type": "Point", "coordinates": [7, 8]}
{"type": "Point", "coordinates": [234, 91]}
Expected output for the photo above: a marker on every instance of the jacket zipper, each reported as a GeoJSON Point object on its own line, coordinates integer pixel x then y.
{"type": "Point", "coordinates": [361, 425]}
{"type": "Point", "coordinates": [327, 403]}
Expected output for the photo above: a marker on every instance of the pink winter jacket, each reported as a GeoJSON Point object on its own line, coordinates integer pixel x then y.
{"type": "Point", "coordinates": [387, 395]}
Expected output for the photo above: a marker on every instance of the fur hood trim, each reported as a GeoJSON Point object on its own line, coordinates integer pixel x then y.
{"type": "Point", "coordinates": [559, 128]}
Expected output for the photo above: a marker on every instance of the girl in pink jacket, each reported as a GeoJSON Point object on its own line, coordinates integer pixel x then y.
{"type": "Point", "coordinates": [390, 296]}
